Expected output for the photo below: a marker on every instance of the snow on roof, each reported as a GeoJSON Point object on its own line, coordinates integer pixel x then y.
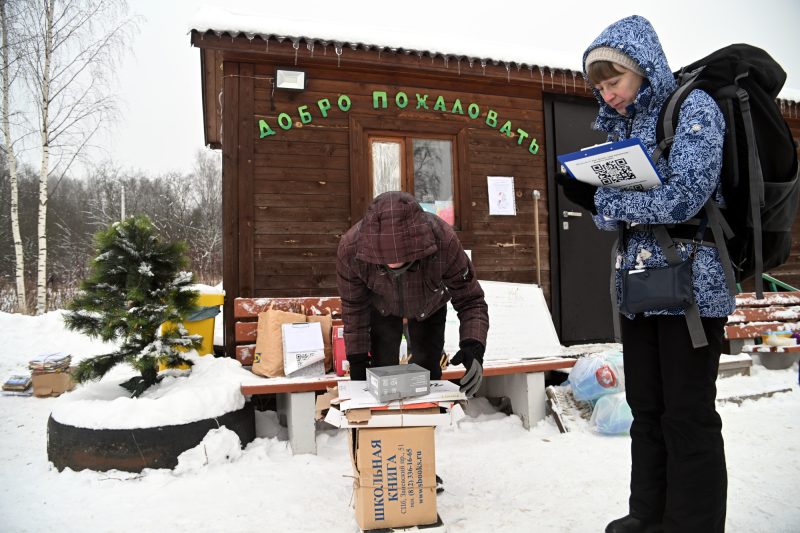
{"type": "Point", "coordinates": [338, 37]}
{"type": "Point", "coordinates": [449, 40]}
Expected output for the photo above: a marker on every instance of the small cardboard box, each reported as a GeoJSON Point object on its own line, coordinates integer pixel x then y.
{"type": "Point", "coordinates": [51, 383]}
{"type": "Point", "coordinates": [389, 383]}
{"type": "Point", "coordinates": [395, 476]}
{"type": "Point", "coordinates": [339, 352]}
{"type": "Point", "coordinates": [303, 349]}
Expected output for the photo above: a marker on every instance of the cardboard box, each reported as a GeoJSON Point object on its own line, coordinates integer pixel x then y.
{"type": "Point", "coordinates": [425, 414]}
{"type": "Point", "coordinates": [303, 349]}
{"type": "Point", "coordinates": [339, 352]}
{"type": "Point", "coordinates": [395, 476]}
{"type": "Point", "coordinates": [51, 383]}
{"type": "Point", "coordinates": [389, 383]}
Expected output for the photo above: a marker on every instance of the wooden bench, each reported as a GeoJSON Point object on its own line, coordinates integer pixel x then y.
{"type": "Point", "coordinates": [777, 311]}
{"type": "Point", "coordinates": [522, 381]}
{"type": "Point", "coordinates": [245, 313]}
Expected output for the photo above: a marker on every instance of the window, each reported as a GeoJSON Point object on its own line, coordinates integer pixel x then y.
{"type": "Point", "coordinates": [420, 165]}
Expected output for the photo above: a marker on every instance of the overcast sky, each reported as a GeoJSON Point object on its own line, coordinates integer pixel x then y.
{"type": "Point", "coordinates": [160, 80]}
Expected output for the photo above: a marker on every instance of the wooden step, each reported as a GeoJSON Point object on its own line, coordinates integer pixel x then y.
{"type": "Point", "coordinates": [766, 348]}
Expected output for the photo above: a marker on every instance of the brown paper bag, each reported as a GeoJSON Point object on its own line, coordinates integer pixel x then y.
{"type": "Point", "coordinates": [325, 322]}
{"type": "Point", "coordinates": [268, 357]}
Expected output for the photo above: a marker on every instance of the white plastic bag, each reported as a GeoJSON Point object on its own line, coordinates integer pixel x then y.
{"type": "Point", "coordinates": [611, 415]}
{"type": "Point", "coordinates": [596, 375]}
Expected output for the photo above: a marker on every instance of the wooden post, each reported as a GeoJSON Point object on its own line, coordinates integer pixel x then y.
{"type": "Point", "coordinates": [536, 196]}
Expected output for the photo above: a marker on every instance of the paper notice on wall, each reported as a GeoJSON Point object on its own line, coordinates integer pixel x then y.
{"type": "Point", "coordinates": [520, 325]}
{"type": "Point", "coordinates": [501, 195]}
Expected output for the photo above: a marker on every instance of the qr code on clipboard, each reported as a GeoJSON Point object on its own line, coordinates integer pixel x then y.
{"type": "Point", "coordinates": [613, 172]}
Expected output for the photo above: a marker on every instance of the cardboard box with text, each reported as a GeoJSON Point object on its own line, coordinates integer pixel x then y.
{"type": "Point", "coordinates": [395, 476]}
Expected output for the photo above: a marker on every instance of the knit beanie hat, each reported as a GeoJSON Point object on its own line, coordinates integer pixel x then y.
{"type": "Point", "coordinates": [606, 53]}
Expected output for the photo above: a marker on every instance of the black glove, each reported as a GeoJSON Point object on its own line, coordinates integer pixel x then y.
{"type": "Point", "coordinates": [358, 366]}
{"type": "Point", "coordinates": [578, 192]}
{"type": "Point", "coordinates": [471, 354]}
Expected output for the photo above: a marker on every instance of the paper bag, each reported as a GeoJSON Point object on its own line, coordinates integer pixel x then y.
{"type": "Point", "coordinates": [326, 322]}
{"type": "Point", "coordinates": [268, 357]}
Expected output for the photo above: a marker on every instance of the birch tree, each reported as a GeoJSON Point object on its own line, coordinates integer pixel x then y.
{"type": "Point", "coordinates": [74, 49]}
{"type": "Point", "coordinates": [10, 50]}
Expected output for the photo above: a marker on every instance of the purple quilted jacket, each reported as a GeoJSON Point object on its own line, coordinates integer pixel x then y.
{"type": "Point", "coordinates": [397, 230]}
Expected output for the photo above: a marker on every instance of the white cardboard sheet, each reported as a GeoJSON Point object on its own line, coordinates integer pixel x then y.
{"type": "Point", "coordinates": [520, 326]}
{"type": "Point", "coordinates": [354, 395]}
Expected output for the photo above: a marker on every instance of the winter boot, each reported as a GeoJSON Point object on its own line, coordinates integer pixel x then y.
{"type": "Point", "coordinates": [631, 524]}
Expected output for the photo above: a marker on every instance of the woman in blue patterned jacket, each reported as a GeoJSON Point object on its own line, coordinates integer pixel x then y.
{"type": "Point", "coordinates": [678, 473]}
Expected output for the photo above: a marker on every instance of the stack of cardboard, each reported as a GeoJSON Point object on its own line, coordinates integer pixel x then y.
{"type": "Point", "coordinates": [51, 374]}
{"type": "Point", "coordinates": [392, 450]}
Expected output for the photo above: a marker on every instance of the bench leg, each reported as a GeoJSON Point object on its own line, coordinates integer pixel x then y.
{"type": "Point", "coordinates": [735, 346]}
{"type": "Point", "coordinates": [526, 392]}
{"type": "Point", "coordinates": [298, 410]}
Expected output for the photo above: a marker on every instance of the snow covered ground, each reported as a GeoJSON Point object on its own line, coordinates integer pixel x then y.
{"type": "Point", "coordinates": [498, 477]}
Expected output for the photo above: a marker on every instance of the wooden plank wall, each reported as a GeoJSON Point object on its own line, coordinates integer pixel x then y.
{"type": "Point", "coordinates": [302, 177]}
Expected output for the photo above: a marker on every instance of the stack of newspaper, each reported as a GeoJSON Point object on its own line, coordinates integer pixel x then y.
{"type": "Point", "coordinates": [50, 363]}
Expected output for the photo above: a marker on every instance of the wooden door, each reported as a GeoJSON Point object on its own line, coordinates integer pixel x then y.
{"type": "Point", "coordinates": [581, 253]}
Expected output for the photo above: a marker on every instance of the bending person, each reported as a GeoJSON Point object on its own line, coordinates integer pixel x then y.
{"type": "Point", "coordinates": [401, 262]}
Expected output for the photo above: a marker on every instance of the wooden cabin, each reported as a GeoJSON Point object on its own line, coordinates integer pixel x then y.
{"type": "Point", "coordinates": [311, 130]}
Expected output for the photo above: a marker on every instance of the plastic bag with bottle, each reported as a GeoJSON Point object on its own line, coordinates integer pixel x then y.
{"type": "Point", "coordinates": [596, 375]}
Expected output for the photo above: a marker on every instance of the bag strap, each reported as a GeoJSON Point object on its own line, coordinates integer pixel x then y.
{"type": "Point", "coordinates": [693, 322]}
{"type": "Point", "coordinates": [756, 186]}
{"type": "Point", "coordinates": [615, 250]}
{"type": "Point", "coordinates": [721, 231]}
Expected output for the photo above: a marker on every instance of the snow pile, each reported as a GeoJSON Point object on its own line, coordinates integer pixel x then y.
{"type": "Point", "coordinates": [219, 447]}
{"type": "Point", "coordinates": [212, 388]}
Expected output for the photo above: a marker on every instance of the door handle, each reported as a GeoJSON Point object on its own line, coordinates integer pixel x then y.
{"type": "Point", "coordinates": [567, 214]}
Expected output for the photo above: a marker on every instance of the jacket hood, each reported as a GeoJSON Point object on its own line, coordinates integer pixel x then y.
{"type": "Point", "coordinates": [636, 37]}
{"type": "Point", "coordinates": [395, 230]}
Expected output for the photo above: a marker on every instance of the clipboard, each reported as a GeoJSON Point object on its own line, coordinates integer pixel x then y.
{"type": "Point", "coordinates": [623, 164]}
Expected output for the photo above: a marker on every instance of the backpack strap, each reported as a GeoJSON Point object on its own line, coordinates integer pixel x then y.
{"type": "Point", "coordinates": [665, 135]}
{"type": "Point", "coordinates": [756, 183]}
{"type": "Point", "coordinates": [693, 322]}
{"type": "Point", "coordinates": [668, 117]}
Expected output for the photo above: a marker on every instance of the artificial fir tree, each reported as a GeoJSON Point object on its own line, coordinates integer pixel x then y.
{"type": "Point", "coordinates": [136, 284]}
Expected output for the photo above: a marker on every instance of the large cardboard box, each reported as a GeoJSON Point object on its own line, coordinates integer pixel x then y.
{"type": "Point", "coordinates": [395, 476]}
{"type": "Point", "coordinates": [51, 383]}
{"type": "Point", "coordinates": [395, 382]}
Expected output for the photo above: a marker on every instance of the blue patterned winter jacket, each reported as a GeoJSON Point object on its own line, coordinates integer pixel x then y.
{"type": "Point", "coordinates": [691, 172]}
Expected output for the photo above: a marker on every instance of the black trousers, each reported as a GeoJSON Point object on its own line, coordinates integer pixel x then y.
{"type": "Point", "coordinates": [425, 345]}
{"type": "Point", "coordinates": [678, 473]}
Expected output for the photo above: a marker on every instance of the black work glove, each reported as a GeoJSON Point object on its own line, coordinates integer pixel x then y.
{"type": "Point", "coordinates": [358, 366]}
{"type": "Point", "coordinates": [471, 355]}
{"type": "Point", "coordinates": [578, 192]}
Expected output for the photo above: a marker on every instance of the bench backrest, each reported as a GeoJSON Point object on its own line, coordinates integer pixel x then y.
{"type": "Point", "coordinates": [753, 316]}
{"type": "Point", "coordinates": [245, 312]}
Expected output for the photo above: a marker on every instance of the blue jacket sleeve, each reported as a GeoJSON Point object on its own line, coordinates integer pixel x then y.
{"type": "Point", "coordinates": [691, 172]}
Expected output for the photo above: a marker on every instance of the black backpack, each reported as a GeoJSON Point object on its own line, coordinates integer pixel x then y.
{"type": "Point", "coordinates": [760, 170]}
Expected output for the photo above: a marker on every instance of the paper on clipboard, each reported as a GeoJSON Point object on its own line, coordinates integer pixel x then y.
{"type": "Point", "coordinates": [623, 164]}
